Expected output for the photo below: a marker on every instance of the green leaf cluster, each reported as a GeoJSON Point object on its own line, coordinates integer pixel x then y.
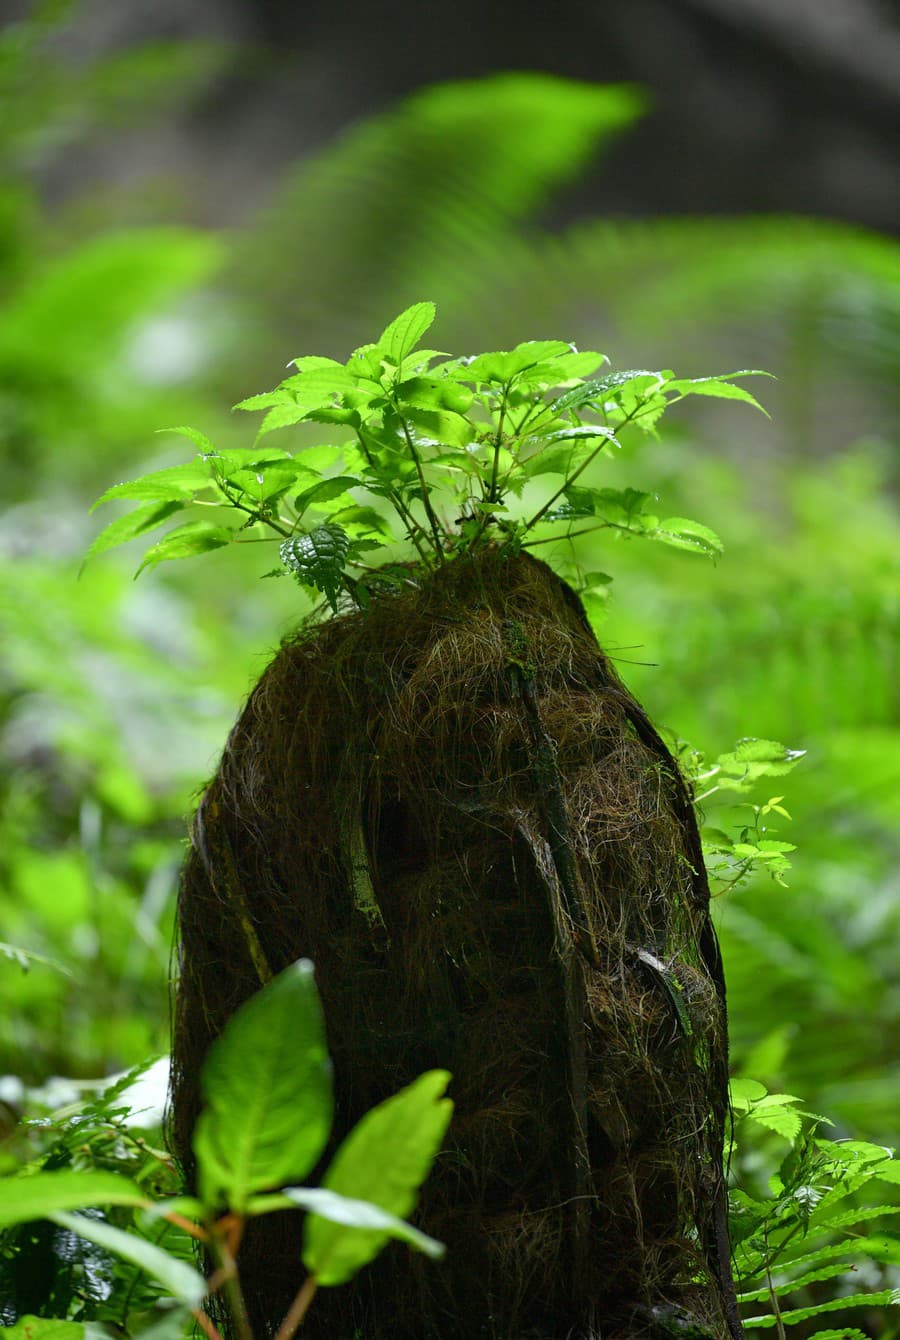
{"type": "Point", "coordinates": [809, 1226]}
{"type": "Point", "coordinates": [265, 1123]}
{"type": "Point", "coordinates": [446, 454]}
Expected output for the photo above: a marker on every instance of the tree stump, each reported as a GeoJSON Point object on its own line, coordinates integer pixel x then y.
{"type": "Point", "coordinates": [452, 805]}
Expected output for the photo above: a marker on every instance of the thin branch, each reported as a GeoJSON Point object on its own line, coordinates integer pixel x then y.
{"type": "Point", "coordinates": [205, 1324]}
{"type": "Point", "coordinates": [298, 1309]}
{"type": "Point", "coordinates": [426, 499]}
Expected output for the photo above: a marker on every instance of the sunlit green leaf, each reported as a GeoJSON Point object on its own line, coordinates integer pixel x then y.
{"type": "Point", "coordinates": [128, 527]}
{"type": "Point", "coordinates": [196, 537]}
{"type": "Point", "coordinates": [179, 482]}
{"type": "Point", "coordinates": [720, 387]}
{"type": "Point", "coordinates": [266, 1084]}
{"type": "Point", "coordinates": [404, 332]}
{"type": "Point", "coordinates": [435, 393]}
{"type": "Point", "coordinates": [327, 490]}
{"type": "Point", "coordinates": [384, 1159]}
{"type": "Point", "coordinates": [682, 533]}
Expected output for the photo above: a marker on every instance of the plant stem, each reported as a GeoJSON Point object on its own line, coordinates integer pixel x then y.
{"type": "Point", "coordinates": [298, 1309]}
{"type": "Point", "coordinates": [205, 1324]}
{"type": "Point", "coordinates": [227, 1280]}
{"type": "Point", "coordinates": [567, 483]}
{"type": "Point", "coordinates": [773, 1297]}
{"type": "Point", "coordinates": [257, 516]}
{"type": "Point", "coordinates": [413, 529]}
{"type": "Point", "coordinates": [426, 500]}
{"type": "Point", "coordinates": [498, 442]}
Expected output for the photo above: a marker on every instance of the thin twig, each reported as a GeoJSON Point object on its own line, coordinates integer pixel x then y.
{"type": "Point", "coordinates": [205, 1324]}
{"type": "Point", "coordinates": [298, 1309]}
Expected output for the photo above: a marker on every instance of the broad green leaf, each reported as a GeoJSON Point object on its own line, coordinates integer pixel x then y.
{"type": "Point", "coordinates": [403, 334]}
{"type": "Point", "coordinates": [599, 388]}
{"type": "Point", "coordinates": [566, 368]}
{"type": "Point", "coordinates": [319, 363]}
{"type": "Point", "coordinates": [682, 533]}
{"type": "Point", "coordinates": [197, 537]}
{"type": "Point", "coordinates": [743, 1093]}
{"type": "Point", "coordinates": [752, 758]}
{"type": "Point", "coordinates": [179, 482]}
{"type": "Point", "coordinates": [320, 385]}
{"type": "Point", "coordinates": [267, 1087]}
{"type": "Point", "coordinates": [438, 426]}
{"type": "Point", "coordinates": [317, 558]}
{"type": "Point", "coordinates": [325, 491]}
{"type": "Point", "coordinates": [504, 365]}
{"type": "Point", "coordinates": [42, 1194]}
{"type": "Point", "coordinates": [182, 1280]}
{"type": "Point", "coordinates": [361, 1214]}
{"type": "Point", "coordinates": [52, 1328]}
{"type": "Point", "coordinates": [266, 486]}
{"type": "Point", "coordinates": [362, 521]}
{"type": "Point", "coordinates": [384, 1159]}
{"type": "Point", "coordinates": [435, 393]}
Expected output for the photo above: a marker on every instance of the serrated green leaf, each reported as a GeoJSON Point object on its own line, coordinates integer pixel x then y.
{"type": "Point", "coordinates": [845, 1333]}
{"type": "Point", "coordinates": [283, 415]}
{"type": "Point", "coordinates": [824, 1218]}
{"type": "Point", "coordinates": [786, 1287]}
{"type": "Point", "coordinates": [317, 558]}
{"type": "Point", "coordinates": [319, 363]}
{"type": "Point", "coordinates": [177, 483]}
{"type": "Point", "coordinates": [384, 1159]}
{"type": "Point", "coordinates": [598, 388]}
{"type": "Point", "coordinates": [682, 533]}
{"type": "Point", "coordinates": [179, 1278]}
{"type": "Point", "coordinates": [200, 440]}
{"type": "Point", "coordinates": [42, 1194]}
{"type": "Point", "coordinates": [401, 336]}
{"type": "Point", "coordinates": [196, 537]}
{"type": "Point", "coordinates": [129, 527]}
{"type": "Point", "coordinates": [720, 387]}
{"type": "Point", "coordinates": [327, 490]}
{"type": "Point", "coordinates": [266, 1083]}
{"type": "Point", "coordinates": [266, 400]}
{"type": "Point", "coordinates": [789, 1317]}
{"type": "Point", "coordinates": [782, 1120]}
{"type": "Point", "coordinates": [752, 758]}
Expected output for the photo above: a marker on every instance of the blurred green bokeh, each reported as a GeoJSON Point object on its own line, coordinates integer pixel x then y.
{"type": "Point", "coordinates": [115, 698]}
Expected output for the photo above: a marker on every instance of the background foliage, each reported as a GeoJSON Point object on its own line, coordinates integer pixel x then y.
{"type": "Point", "coordinates": [114, 697]}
